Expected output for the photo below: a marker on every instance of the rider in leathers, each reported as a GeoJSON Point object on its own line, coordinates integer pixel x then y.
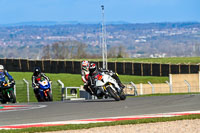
{"type": "Point", "coordinates": [93, 70]}
{"type": "Point", "coordinates": [4, 73]}
{"type": "Point", "coordinates": [88, 73]}
{"type": "Point", "coordinates": [37, 75]}
{"type": "Point", "coordinates": [85, 76]}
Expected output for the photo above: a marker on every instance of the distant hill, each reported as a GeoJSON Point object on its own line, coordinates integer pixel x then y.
{"type": "Point", "coordinates": [49, 23]}
{"type": "Point", "coordinates": [132, 40]}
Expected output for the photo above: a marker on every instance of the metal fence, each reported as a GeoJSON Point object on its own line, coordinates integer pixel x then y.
{"type": "Point", "coordinates": [24, 91]}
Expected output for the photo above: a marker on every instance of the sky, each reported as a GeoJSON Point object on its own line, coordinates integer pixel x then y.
{"type": "Point", "coordinates": [132, 11]}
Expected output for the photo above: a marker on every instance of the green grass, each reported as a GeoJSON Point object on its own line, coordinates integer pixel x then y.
{"type": "Point", "coordinates": [87, 126]}
{"type": "Point", "coordinates": [169, 60]}
{"type": "Point", "coordinates": [70, 80]}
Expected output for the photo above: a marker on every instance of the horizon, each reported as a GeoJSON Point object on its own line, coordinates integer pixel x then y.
{"type": "Point", "coordinates": [131, 11]}
{"type": "Point", "coordinates": [45, 23]}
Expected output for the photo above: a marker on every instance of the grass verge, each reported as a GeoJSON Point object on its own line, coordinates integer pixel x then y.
{"type": "Point", "coordinates": [87, 126]}
{"type": "Point", "coordinates": [70, 80]}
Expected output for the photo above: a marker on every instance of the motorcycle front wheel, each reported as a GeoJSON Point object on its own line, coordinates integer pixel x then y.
{"type": "Point", "coordinates": [113, 93]}
{"type": "Point", "coordinates": [122, 96]}
{"type": "Point", "coordinates": [49, 95]}
{"type": "Point", "coordinates": [12, 96]}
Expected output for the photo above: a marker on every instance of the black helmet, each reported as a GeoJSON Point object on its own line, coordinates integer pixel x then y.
{"type": "Point", "coordinates": [37, 71]}
{"type": "Point", "coordinates": [93, 68]}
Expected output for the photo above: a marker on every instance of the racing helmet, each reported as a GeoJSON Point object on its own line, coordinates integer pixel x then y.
{"type": "Point", "coordinates": [85, 65]}
{"type": "Point", "coordinates": [37, 71]}
{"type": "Point", "coordinates": [93, 68]}
{"type": "Point", "coordinates": [1, 68]}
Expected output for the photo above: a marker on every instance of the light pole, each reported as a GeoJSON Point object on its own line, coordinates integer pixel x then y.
{"type": "Point", "coordinates": [104, 46]}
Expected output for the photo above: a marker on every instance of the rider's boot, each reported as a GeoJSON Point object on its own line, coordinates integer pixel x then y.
{"type": "Point", "coordinates": [37, 94]}
{"type": "Point", "coordinates": [121, 85]}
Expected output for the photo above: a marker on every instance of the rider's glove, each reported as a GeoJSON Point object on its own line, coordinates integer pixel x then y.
{"type": "Point", "coordinates": [12, 81]}
{"type": "Point", "coordinates": [86, 83]}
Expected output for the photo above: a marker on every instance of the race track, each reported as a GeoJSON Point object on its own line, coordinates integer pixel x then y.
{"type": "Point", "coordinates": [75, 110]}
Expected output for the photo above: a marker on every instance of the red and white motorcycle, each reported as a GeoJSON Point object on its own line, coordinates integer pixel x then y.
{"type": "Point", "coordinates": [108, 86]}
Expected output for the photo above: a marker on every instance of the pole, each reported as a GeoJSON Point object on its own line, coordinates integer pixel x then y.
{"type": "Point", "coordinates": [104, 46]}
{"type": "Point", "coordinates": [27, 83]}
{"type": "Point", "coordinates": [62, 89]}
{"type": "Point", "coordinates": [153, 89]}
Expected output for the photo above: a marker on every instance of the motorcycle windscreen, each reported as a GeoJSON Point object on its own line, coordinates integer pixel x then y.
{"type": "Point", "coordinates": [44, 85]}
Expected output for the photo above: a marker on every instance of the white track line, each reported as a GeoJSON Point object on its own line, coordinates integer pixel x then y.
{"type": "Point", "coordinates": [96, 120]}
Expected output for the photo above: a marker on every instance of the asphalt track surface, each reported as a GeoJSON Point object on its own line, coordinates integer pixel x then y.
{"type": "Point", "coordinates": [76, 110]}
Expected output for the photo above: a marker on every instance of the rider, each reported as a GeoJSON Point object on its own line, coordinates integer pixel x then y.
{"type": "Point", "coordinates": [94, 71]}
{"type": "Point", "coordinates": [85, 75]}
{"type": "Point", "coordinates": [36, 77]}
{"type": "Point", "coordinates": [4, 73]}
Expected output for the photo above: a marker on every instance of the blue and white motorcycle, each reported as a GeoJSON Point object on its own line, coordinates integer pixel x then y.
{"type": "Point", "coordinates": [45, 90]}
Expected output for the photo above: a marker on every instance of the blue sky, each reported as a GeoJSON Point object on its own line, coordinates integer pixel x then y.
{"type": "Point", "coordinates": [133, 11]}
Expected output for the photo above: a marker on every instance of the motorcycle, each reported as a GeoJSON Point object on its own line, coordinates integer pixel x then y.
{"type": "Point", "coordinates": [107, 86]}
{"type": "Point", "coordinates": [7, 92]}
{"type": "Point", "coordinates": [45, 91]}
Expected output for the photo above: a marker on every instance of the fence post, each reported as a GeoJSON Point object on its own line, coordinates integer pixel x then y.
{"type": "Point", "coordinates": [189, 86]}
{"type": "Point", "coordinates": [132, 68]}
{"type": "Point", "coordinates": [135, 88]}
{"type": "Point", "coordinates": [27, 83]}
{"type": "Point", "coordinates": [141, 89]}
{"type": "Point", "coordinates": [170, 86]}
{"type": "Point", "coordinates": [62, 90]}
{"type": "Point", "coordinates": [15, 90]}
{"type": "Point", "coordinates": [153, 89]}
{"type": "Point", "coordinates": [142, 72]}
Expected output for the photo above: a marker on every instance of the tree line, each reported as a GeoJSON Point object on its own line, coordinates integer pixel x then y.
{"type": "Point", "coordinates": [77, 50]}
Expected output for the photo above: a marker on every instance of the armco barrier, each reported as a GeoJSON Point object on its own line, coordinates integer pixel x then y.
{"type": "Point", "coordinates": [74, 67]}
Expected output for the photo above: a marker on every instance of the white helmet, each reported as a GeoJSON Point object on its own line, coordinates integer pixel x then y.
{"type": "Point", "coordinates": [1, 67]}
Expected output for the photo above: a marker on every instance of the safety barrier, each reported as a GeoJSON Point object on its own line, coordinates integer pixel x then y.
{"type": "Point", "coordinates": [178, 83]}
{"type": "Point", "coordinates": [74, 67]}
